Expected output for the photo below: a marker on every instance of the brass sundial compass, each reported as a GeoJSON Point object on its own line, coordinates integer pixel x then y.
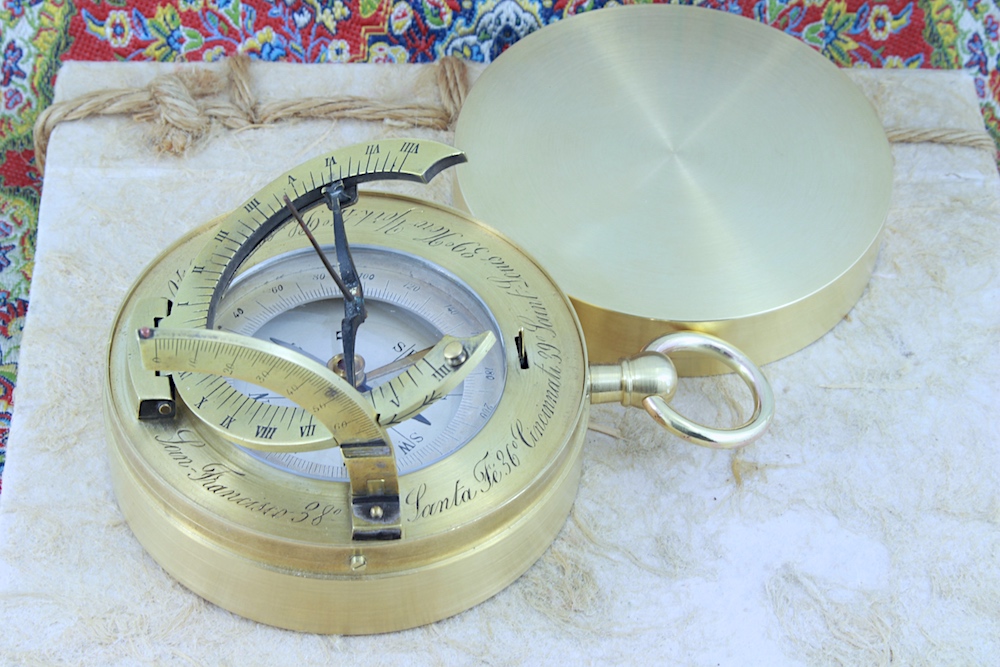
{"type": "Point", "coordinates": [356, 413]}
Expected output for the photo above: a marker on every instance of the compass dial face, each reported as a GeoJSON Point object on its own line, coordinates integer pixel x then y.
{"type": "Point", "coordinates": [291, 300]}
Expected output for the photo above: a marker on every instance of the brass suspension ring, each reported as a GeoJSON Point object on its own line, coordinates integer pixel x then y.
{"type": "Point", "coordinates": [706, 436]}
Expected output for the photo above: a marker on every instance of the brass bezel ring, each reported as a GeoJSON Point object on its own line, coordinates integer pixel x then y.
{"type": "Point", "coordinates": [707, 436]}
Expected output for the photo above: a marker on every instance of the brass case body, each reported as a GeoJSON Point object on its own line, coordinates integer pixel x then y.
{"type": "Point", "coordinates": [277, 547]}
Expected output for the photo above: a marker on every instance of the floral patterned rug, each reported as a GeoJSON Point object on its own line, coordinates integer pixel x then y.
{"type": "Point", "coordinates": [36, 36]}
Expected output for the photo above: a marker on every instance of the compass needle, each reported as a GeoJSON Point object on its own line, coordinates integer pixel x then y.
{"type": "Point", "coordinates": [355, 312]}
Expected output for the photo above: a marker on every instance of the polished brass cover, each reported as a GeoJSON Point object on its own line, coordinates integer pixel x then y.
{"type": "Point", "coordinates": [677, 168]}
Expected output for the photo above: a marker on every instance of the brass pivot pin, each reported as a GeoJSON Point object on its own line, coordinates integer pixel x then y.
{"type": "Point", "coordinates": [154, 393]}
{"type": "Point", "coordinates": [455, 354]}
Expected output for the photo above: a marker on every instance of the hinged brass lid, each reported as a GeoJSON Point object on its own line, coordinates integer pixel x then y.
{"type": "Point", "coordinates": [679, 168]}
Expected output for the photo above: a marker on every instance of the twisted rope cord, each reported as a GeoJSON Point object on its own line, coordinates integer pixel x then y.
{"type": "Point", "coordinates": [969, 138]}
{"type": "Point", "coordinates": [182, 108]}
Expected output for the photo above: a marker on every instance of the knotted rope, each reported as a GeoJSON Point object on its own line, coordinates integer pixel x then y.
{"type": "Point", "coordinates": [185, 105]}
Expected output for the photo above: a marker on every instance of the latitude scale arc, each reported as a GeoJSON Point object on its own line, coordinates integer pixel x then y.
{"type": "Point", "coordinates": [369, 446]}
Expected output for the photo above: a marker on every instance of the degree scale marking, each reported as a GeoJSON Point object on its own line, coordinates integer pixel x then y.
{"type": "Point", "coordinates": [319, 390]}
{"type": "Point", "coordinates": [200, 291]}
{"type": "Point", "coordinates": [256, 361]}
{"type": "Point", "coordinates": [198, 311]}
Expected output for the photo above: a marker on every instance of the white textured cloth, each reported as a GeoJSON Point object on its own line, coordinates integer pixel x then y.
{"type": "Point", "coordinates": [862, 529]}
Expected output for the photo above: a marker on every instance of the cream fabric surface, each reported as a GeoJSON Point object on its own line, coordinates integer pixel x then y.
{"type": "Point", "coordinates": [862, 529]}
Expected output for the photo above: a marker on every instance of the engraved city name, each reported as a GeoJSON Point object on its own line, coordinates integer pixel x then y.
{"type": "Point", "coordinates": [490, 471]}
{"type": "Point", "coordinates": [174, 446]}
{"type": "Point", "coordinates": [422, 507]}
{"type": "Point", "coordinates": [221, 481]}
